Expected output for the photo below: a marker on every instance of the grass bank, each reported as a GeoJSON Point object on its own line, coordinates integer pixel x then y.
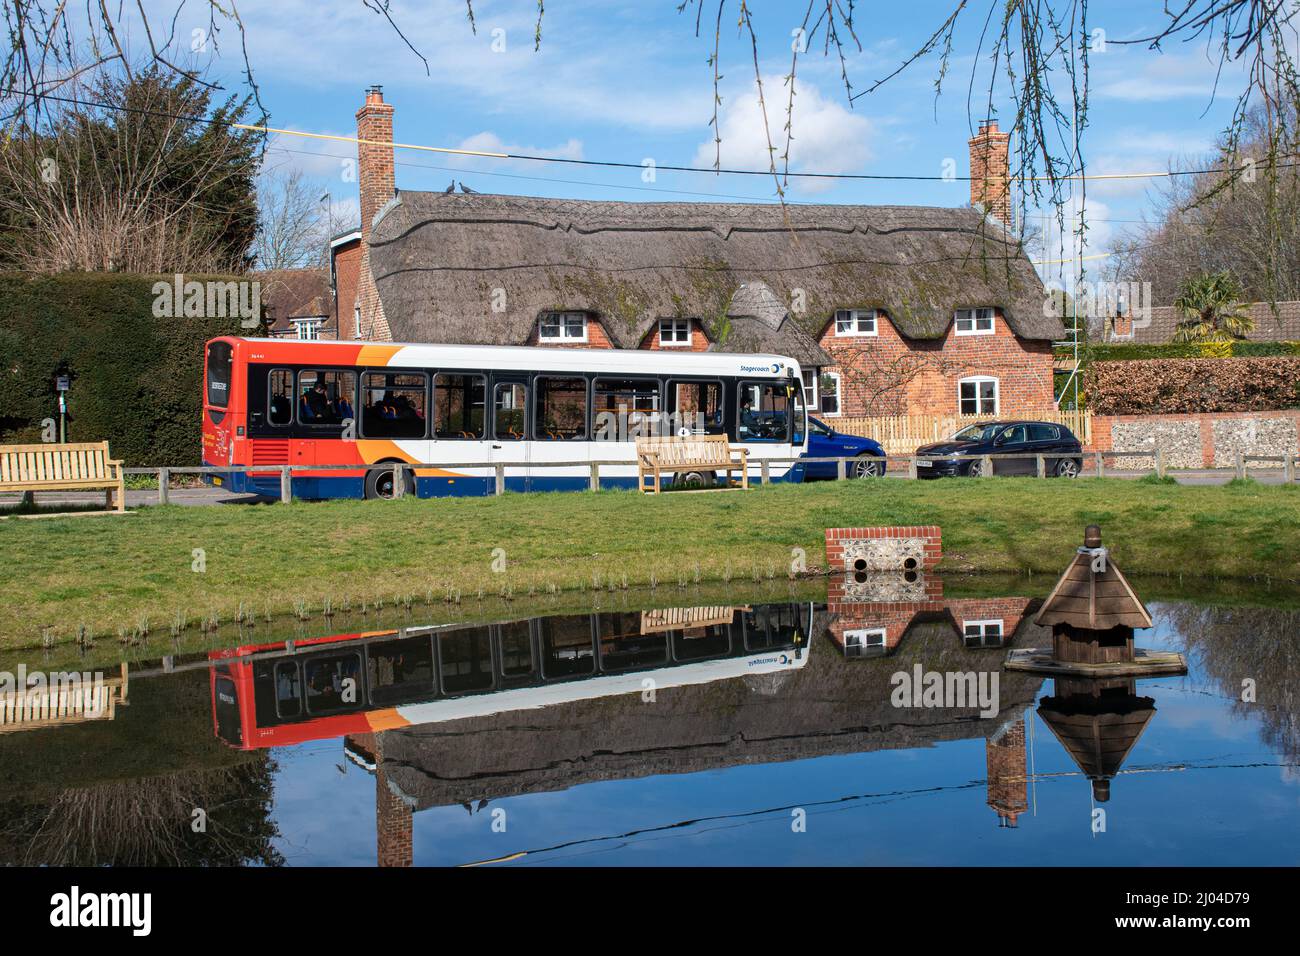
{"type": "Point", "coordinates": [112, 574]}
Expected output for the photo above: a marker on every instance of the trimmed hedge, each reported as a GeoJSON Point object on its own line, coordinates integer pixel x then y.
{"type": "Point", "coordinates": [1158, 386]}
{"type": "Point", "coordinates": [136, 380]}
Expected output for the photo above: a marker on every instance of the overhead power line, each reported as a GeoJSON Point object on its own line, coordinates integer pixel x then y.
{"type": "Point", "coordinates": [615, 164]}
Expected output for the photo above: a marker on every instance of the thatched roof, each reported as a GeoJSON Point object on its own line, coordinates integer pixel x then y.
{"type": "Point", "coordinates": [437, 259]}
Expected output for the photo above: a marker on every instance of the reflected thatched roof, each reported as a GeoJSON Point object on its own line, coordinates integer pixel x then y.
{"type": "Point", "coordinates": [437, 259]}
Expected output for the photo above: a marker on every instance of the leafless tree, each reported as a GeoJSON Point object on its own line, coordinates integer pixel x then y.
{"type": "Point", "coordinates": [1210, 220]}
{"type": "Point", "coordinates": [94, 188]}
{"type": "Point", "coordinates": [294, 221]}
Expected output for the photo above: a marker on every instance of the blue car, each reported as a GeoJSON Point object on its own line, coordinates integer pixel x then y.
{"type": "Point", "coordinates": [825, 442]}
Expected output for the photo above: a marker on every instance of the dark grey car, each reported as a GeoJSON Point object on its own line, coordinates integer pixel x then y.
{"type": "Point", "coordinates": [1064, 452]}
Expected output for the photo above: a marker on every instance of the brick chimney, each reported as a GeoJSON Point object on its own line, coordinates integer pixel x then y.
{"type": "Point", "coordinates": [1008, 792]}
{"type": "Point", "coordinates": [378, 186]}
{"type": "Point", "coordinates": [990, 188]}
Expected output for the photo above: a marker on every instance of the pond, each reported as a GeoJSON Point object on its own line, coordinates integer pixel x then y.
{"type": "Point", "coordinates": [760, 725]}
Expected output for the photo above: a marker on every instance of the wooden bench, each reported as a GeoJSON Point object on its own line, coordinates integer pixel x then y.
{"type": "Point", "coordinates": [678, 456]}
{"type": "Point", "coordinates": [72, 467]}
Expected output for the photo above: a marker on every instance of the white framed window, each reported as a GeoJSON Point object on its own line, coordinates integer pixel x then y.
{"type": "Point", "coordinates": [974, 321]}
{"type": "Point", "coordinates": [809, 377]}
{"type": "Point", "coordinates": [562, 327]}
{"type": "Point", "coordinates": [863, 641]}
{"type": "Point", "coordinates": [674, 333]}
{"type": "Point", "coordinates": [977, 395]}
{"type": "Point", "coordinates": [982, 633]}
{"type": "Point", "coordinates": [308, 329]}
{"type": "Point", "coordinates": [830, 395]}
{"type": "Point", "coordinates": [855, 322]}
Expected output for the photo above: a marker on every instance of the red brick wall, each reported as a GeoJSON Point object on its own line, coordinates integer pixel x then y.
{"type": "Point", "coordinates": [597, 338]}
{"type": "Point", "coordinates": [377, 184]}
{"type": "Point", "coordinates": [893, 617]}
{"type": "Point", "coordinates": [347, 272]}
{"type": "Point", "coordinates": [920, 377]}
{"type": "Point", "coordinates": [699, 341]}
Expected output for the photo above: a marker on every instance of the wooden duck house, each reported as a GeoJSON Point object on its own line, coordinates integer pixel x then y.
{"type": "Point", "coordinates": [1093, 612]}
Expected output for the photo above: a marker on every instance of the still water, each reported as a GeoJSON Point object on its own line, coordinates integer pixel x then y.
{"type": "Point", "coordinates": [762, 731]}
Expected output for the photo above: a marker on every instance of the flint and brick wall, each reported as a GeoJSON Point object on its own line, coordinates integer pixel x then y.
{"type": "Point", "coordinates": [843, 543]}
{"type": "Point", "coordinates": [1196, 440]}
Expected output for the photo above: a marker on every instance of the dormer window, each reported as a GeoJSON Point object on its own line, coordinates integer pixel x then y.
{"type": "Point", "coordinates": [974, 321]}
{"type": "Point", "coordinates": [562, 327]}
{"type": "Point", "coordinates": [674, 333]}
{"type": "Point", "coordinates": [855, 321]}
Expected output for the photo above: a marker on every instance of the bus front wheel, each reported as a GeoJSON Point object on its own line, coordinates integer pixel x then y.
{"type": "Point", "coordinates": [379, 484]}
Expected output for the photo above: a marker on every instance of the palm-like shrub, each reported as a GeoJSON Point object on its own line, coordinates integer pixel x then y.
{"type": "Point", "coordinates": [1212, 309]}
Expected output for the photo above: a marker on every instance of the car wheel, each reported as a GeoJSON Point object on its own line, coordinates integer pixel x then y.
{"type": "Point", "coordinates": [1067, 468]}
{"type": "Point", "coordinates": [867, 465]}
{"type": "Point", "coordinates": [379, 484]}
{"type": "Point", "coordinates": [976, 469]}
{"type": "Point", "coordinates": [694, 479]}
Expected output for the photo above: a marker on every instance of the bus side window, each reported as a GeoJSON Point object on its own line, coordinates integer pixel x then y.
{"type": "Point", "coordinates": [280, 411]}
{"type": "Point", "coordinates": [325, 397]}
{"type": "Point", "coordinates": [697, 406]}
{"type": "Point", "coordinates": [560, 409]}
{"type": "Point", "coordinates": [392, 405]}
{"type": "Point", "coordinates": [459, 406]}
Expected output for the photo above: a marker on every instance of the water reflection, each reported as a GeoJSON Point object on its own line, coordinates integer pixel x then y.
{"type": "Point", "coordinates": [273, 695]}
{"type": "Point", "coordinates": [652, 716]}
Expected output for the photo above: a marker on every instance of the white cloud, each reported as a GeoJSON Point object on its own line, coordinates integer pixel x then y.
{"type": "Point", "coordinates": [827, 136]}
{"type": "Point", "coordinates": [1057, 243]}
{"type": "Point", "coordinates": [1160, 76]}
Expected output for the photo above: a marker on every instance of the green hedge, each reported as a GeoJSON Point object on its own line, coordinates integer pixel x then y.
{"type": "Point", "coordinates": [135, 379]}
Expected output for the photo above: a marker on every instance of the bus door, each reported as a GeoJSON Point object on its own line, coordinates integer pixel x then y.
{"type": "Point", "coordinates": [509, 429]}
{"type": "Point", "coordinates": [461, 423]}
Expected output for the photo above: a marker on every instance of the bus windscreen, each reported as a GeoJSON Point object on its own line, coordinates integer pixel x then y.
{"type": "Point", "coordinates": [220, 362]}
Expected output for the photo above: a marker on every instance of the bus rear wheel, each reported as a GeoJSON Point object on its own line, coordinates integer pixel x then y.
{"type": "Point", "coordinates": [693, 479]}
{"type": "Point", "coordinates": [379, 484]}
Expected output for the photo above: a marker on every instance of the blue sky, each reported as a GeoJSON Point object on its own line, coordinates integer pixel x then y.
{"type": "Point", "coordinates": [630, 81]}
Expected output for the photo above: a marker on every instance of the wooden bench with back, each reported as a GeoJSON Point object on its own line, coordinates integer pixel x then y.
{"type": "Point", "coordinates": [684, 456]}
{"type": "Point", "coordinates": [83, 466]}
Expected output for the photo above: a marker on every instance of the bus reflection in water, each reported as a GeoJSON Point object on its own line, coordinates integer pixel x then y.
{"type": "Point", "coordinates": [285, 693]}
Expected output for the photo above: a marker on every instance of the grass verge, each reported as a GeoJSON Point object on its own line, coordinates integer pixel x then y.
{"type": "Point", "coordinates": [171, 563]}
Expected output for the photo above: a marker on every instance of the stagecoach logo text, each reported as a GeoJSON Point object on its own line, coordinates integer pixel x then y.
{"type": "Point", "coordinates": [774, 368]}
{"type": "Point", "coordinates": [208, 300]}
